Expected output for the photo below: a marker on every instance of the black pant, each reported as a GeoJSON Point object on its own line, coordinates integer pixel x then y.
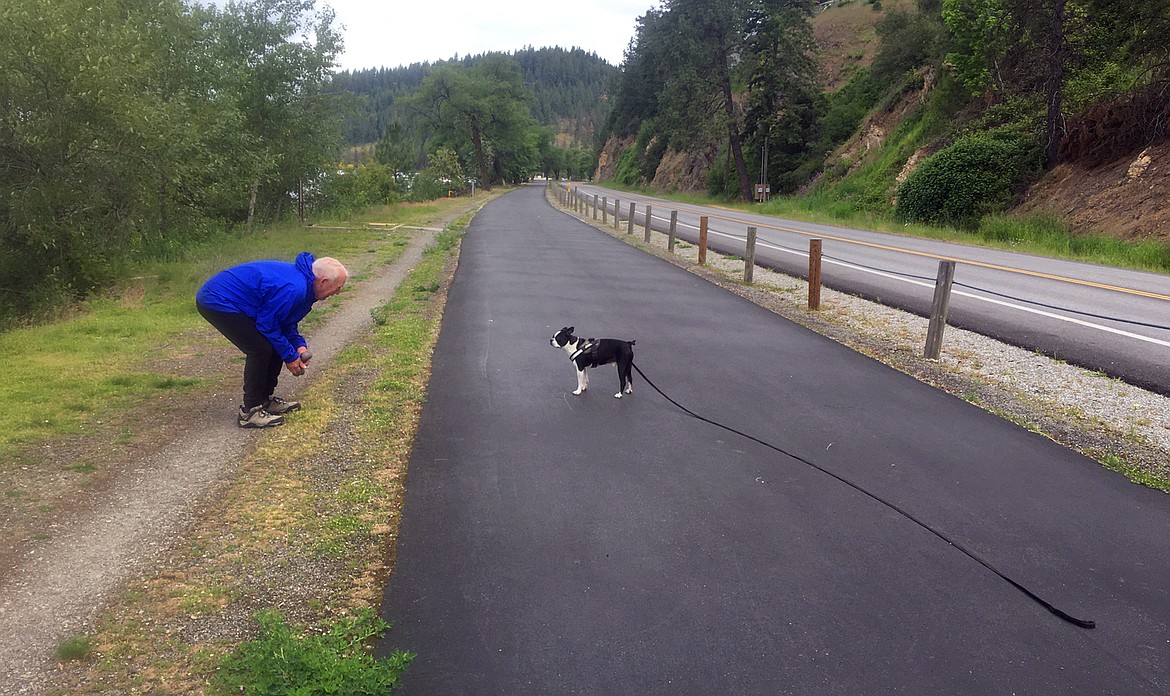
{"type": "Point", "coordinates": [262, 363]}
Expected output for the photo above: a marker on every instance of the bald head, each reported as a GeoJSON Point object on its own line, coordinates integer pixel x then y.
{"type": "Point", "coordinates": [330, 277]}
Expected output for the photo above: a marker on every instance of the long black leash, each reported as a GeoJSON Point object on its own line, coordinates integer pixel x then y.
{"type": "Point", "coordinates": [1032, 595]}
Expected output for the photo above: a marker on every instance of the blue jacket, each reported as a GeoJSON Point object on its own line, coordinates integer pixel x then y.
{"type": "Point", "coordinates": [276, 294]}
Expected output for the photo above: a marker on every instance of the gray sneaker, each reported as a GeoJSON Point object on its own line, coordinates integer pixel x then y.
{"type": "Point", "coordinates": [257, 417]}
{"type": "Point", "coordinates": [278, 406]}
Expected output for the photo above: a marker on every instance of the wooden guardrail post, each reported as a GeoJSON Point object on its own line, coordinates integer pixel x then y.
{"type": "Point", "coordinates": [648, 214]}
{"type": "Point", "coordinates": [673, 228]}
{"type": "Point", "coordinates": [702, 240]}
{"type": "Point", "coordinates": [595, 206]}
{"type": "Point", "coordinates": [749, 256]}
{"type": "Point", "coordinates": [605, 210]}
{"type": "Point", "coordinates": [630, 222]}
{"type": "Point", "coordinates": [814, 274]}
{"type": "Point", "coordinates": [617, 215]}
{"type": "Point", "coordinates": [939, 309]}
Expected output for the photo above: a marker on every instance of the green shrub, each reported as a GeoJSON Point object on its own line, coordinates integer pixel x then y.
{"type": "Point", "coordinates": [336, 662]}
{"type": "Point", "coordinates": [342, 191]}
{"type": "Point", "coordinates": [908, 41]}
{"type": "Point", "coordinates": [628, 173]}
{"type": "Point", "coordinates": [717, 177]}
{"type": "Point", "coordinates": [639, 162]}
{"type": "Point", "coordinates": [958, 185]}
{"type": "Point", "coordinates": [844, 110]}
{"type": "Point", "coordinates": [428, 185]}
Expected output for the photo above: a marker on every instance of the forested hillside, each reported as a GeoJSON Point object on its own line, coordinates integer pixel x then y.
{"type": "Point", "coordinates": [943, 111]}
{"type": "Point", "coordinates": [568, 88]}
{"type": "Point", "coordinates": [376, 90]}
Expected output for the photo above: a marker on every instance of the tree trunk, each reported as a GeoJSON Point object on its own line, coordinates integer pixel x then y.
{"type": "Point", "coordinates": [252, 203]}
{"type": "Point", "coordinates": [498, 168]}
{"type": "Point", "coordinates": [1056, 49]}
{"type": "Point", "coordinates": [745, 186]}
{"type": "Point", "coordinates": [162, 197]}
{"type": "Point", "coordinates": [477, 139]}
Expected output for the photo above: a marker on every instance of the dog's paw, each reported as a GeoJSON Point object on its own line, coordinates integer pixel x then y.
{"type": "Point", "coordinates": [618, 395]}
{"type": "Point", "coordinates": [629, 390]}
{"type": "Point", "coordinates": [578, 392]}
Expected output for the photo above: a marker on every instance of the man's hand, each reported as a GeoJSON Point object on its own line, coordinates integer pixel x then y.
{"type": "Point", "coordinates": [305, 355]}
{"type": "Point", "coordinates": [296, 367]}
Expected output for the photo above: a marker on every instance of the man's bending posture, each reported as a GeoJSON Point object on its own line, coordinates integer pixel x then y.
{"type": "Point", "coordinates": [257, 306]}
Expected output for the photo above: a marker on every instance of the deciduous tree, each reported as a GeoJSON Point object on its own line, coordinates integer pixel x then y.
{"type": "Point", "coordinates": [482, 111]}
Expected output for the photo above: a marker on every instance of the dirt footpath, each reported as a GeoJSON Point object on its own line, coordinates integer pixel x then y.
{"type": "Point", "coordinates": [54, 589]}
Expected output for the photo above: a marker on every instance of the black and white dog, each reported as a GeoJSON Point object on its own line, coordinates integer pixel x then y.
{"type": "Point", "coordinates": [592, 352]}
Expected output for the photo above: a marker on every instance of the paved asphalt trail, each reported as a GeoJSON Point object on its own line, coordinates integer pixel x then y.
{"type": "Point", "coordinates": [560, 544]}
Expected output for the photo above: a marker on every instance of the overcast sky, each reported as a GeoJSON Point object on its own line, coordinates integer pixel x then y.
{"type": "Point", "coordinates": [390, 33]}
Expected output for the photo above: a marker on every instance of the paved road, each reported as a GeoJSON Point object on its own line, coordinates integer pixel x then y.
{"type": "Point", "coordinates": [1109, 319]}
{"type": "Point", "coordinates": [554, 544]}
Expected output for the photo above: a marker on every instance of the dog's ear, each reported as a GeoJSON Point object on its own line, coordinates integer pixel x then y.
{"type": "Point", "coordinates": [569, 329]}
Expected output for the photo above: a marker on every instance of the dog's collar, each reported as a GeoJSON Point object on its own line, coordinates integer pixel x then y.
{"type": "Point", "coordinates": [586, 346]}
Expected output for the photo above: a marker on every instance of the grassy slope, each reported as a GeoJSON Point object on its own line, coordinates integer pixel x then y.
{"type": "Point", "coordinates": [121, 358]}
{"type": "Point", "coordinates": [308, 524]}
{"type": "Point", "coordinates": [116, 351]}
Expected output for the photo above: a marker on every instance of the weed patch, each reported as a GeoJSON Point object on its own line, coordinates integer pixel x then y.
{"type": "Point", "coordinates": [281, 661]}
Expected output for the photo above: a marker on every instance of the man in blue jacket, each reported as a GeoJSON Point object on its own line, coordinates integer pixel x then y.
{"type": "Point", "coordinates": [257, 306]}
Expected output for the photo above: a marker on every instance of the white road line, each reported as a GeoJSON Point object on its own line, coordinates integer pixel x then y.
{"type": "Point", "coordinates": [1002, 303]}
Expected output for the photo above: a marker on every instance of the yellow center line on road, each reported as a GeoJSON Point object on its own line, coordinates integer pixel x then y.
{"type": "Point", "coordinates": [992, 266]}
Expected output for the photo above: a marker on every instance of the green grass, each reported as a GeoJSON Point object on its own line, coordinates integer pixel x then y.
{"type": "Point", "coordinates": [1134, 474]}
{"type": "Point", "coordinates": [115, 352]}
{"type": "Point", "coordinates": [74, 648]}
{"type": "Point", "coordinates": [1046, 235]}
{"type": "Point", "coordinates": [63, 373]}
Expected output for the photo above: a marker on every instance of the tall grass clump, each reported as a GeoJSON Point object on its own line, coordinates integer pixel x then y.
{"type": "Point", "coordinates": [282, 661]}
